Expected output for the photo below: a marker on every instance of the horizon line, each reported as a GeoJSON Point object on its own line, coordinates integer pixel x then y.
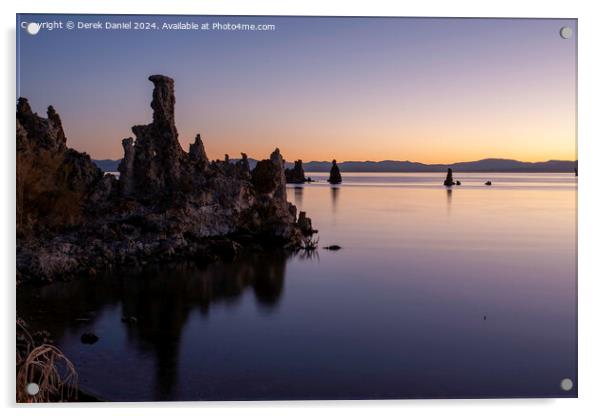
{"type": "Point", "coordinates": [389, 160]}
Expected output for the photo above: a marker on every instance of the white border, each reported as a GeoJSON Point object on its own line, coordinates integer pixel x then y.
{"type": "Point", "coordinates": [590, 190]}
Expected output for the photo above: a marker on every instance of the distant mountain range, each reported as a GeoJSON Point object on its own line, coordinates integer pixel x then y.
{"type": "Point", "coordinates": [107, 165]}
{"type": "Point", "coordinates": [484, 165]}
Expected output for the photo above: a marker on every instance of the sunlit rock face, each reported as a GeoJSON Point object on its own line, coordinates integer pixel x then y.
{"type": "Point", "coordinates": [166, 203]}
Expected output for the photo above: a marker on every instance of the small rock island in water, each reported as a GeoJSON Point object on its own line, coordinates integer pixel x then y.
{"type": "Point", "coordinates": [335, 174]}
{"type": "Point", "coordinates": [449, 179]}
{"type": "Point", "coordinates": [167, 204]}
{"type": "Point", "coordinates": [296, 174]}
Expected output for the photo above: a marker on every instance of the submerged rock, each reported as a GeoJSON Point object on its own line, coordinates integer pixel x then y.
{"type": "Point", "coordinates": [449, 180]}
{"type": "Point", "coordinates": [167, 204]}
{"type": "Point", "coordinates": [488, 183]}
{"type": "Point", "coordinates": [129, 320]}
{"type": "Point", "coordinates": [335, 174]}
{"type": "Point", "coordinates": [296, 174]}
{"type": "Point", "coordinates": [89, 338]}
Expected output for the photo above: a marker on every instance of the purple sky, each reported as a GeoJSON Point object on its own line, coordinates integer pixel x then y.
{"type": "Point", "coordinates": [428, 90]}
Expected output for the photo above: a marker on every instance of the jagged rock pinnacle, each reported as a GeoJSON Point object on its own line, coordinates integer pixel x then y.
{"type": "Point", "coordinates": [335, 174]}
{"type": "Point", "coordinates": [48, 133]}
{"type": "Point", "coordinates": [164, 100]}
{"type": "Point", "coordinates": [196, 151]}
{"type": "Point", "coordinates": [449, 180]}
{"type": "Point", "coordinates": [158, 157]}
{"type": "Point", "coordinates": [126, 166]}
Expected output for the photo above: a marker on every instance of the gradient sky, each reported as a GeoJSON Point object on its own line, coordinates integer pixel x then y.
{"type": "Point", "coordinates": [426, 90]}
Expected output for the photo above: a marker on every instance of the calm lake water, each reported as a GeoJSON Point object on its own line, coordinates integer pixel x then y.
{"type": "Point", "coordinates": [463, 293]}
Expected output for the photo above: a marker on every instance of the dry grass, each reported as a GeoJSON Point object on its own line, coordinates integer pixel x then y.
{"type": "Point", "coordinates": [46, 366]}
{"type": "Point", "coordinates": [310, 243]}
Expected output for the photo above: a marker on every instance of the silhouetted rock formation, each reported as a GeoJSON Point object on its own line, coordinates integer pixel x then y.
{"type": "Point", "coordinates": [56, 186]}
{"type": "Point", "coordinates": [296, 174]}
{"type": "Point", "coordinates": [157, 159]}
{"type": "Point", "coordinates": [167, 203]}
{"type": "Point", "coordinates": [89, 338]}
{"type": "Point", "coordinates": [197, 154]}
{"type": "Point", "coordinates": [449, 180]}
{"type": "Point", "coordinates": [304, 223]}
{"type": "Point", "coordinates": [335, 174]}
{"type": "Point", "coordinates": [266, 176]}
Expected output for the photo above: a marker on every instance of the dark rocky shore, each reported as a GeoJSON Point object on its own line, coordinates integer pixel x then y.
{"type": "Point", "coordinates": [167, 204]}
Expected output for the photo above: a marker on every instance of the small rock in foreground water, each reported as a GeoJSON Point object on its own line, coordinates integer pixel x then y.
{"type": "Point", "coordinates": [129, 319]}
{"type": "Point", "coordinates": [89, 338]}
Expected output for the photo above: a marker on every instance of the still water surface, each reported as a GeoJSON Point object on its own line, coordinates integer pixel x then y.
{"type": "Point", "coordinates": [435, 293]}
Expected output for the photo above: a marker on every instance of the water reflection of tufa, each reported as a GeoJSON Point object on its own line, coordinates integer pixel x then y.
{"type": "Point", "coordinates": [335, 174]}
{"type": "Point", "coordinates": [299, 196]}
{"type": "Point", "coordinates": [160, 299]}
{"type": "Point", "coordinates": [334, 196]}
{"type": "Point", "coordinates": [307, 254]}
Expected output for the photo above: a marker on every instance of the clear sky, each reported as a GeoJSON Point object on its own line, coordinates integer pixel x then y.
{"type": "Point", "coordinates": [425, 90]}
